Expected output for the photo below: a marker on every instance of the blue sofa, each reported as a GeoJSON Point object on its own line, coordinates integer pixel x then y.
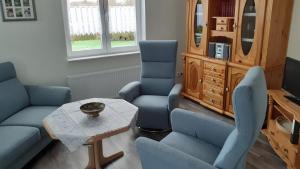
{"type": "Point", "coordinates": [22, 110]}
{"type": "Point", "coordinates": [202, 142]}
{"type": "Point", "coordinates": [156, 94]}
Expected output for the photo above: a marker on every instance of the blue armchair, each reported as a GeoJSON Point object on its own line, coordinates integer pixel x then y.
{"type": "Point", "coordinates": [201, 142]}
{"type": "Point", "coordinates": [156, 94]}
{"type": "Point", "coordinates": [22, 110]}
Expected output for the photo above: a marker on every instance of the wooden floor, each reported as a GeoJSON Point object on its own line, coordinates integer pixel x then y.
{"type": "Point", "coordinates": [56, 156]}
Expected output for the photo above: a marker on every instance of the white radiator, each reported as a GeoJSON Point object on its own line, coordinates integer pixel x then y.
{"type": "Point", "coordinates": [104, 84]}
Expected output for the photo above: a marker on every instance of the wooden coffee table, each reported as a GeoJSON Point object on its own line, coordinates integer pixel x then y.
{"type": "Point", "coordinates": [68, 123]}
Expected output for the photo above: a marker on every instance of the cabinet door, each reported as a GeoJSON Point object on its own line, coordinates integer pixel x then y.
{"type": "Point", "coordinates": [250, 32]}
{"type": "Point", "coordinates": [198, 22]}
{"type": "Point", "coordinates": [235, 76]}
{"type": "Point", "coordinates": [194, 69]}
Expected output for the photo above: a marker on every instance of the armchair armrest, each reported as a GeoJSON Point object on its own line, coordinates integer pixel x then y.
{"type": "Point", "coordinates": [161, 156]}
{"type": "Point", "coordinates": [174, 96]}
{"type": "Point", "coordinates": [130, 91]}
{"type": "Point", "coordinates": [48, 95]}
{"type": "Point", "coordinates": [203, 127]}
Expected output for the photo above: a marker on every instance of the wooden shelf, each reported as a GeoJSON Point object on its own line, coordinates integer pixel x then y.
{"type": "Point", "coordinates": [215, 33]}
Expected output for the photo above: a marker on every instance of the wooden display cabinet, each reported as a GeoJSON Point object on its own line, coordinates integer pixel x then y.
{"type": "Point", "coordinates": [235, 75]}
{"type": "Point", "coordinates": [257, 31]}
{"type": "Point", "coordinates": [279, 140]}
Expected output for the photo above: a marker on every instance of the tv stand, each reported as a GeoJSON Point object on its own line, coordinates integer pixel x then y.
{"type": "Point", "coordinates": [293, 99]}
{"type": "Point", "coordinates": [283, 143]}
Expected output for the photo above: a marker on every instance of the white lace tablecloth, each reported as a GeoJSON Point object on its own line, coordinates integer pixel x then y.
{"type": "Point", "coordinates": [73, 128]}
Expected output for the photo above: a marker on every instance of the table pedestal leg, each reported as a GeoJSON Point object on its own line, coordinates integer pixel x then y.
{"type": "Point", "coordinates": [96, 157]}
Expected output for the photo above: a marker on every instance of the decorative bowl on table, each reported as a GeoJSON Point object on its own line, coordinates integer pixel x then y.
{"type": "Point", "coordinates": [92, 109]}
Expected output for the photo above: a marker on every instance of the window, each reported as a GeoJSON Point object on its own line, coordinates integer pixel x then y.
{"type": "Point", "coordinates": [102, 27]}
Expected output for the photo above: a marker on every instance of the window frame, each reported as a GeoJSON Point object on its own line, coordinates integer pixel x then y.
{"type": "Point", "coordinates": [106, 50]}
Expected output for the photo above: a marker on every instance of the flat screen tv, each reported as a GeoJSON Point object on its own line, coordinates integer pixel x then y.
{"type": "Point", "coordinates": [291, 82]}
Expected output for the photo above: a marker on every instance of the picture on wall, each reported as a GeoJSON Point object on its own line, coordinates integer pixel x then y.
{"type": "Point", "coordinates": [18, 10]}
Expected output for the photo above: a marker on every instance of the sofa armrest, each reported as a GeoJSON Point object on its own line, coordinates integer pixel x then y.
{"type": "Point", "coordinates": [174, 97]}
{"type": "Point", "coordinates": [130, 91]}
{"type": "Point", "coordinates": [48, 95]}
{"type": "Point", "coordinates": [158, 155]}
{"type": "Point", "coordinates": [201, 126]}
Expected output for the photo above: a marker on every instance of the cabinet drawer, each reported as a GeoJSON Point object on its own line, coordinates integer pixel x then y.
{"type": "Point", "coordinates": [222, 21]}
{"type": "Point", "coordinates": [214, 81]}
{"type": "Point", "coordinates": [214, 68]}
{"type": "Point", "coordinates": [213, 89]}
{"type": "Point", "coordinates": [224, 28]}
{"type": "Point", "coordinates": [213, 100]}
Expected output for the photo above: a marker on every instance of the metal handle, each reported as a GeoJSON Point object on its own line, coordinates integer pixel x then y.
{"type": "Point", "coordinates": [227, 89]}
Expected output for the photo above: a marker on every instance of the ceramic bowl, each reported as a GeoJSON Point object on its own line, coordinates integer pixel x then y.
{"type": "Point", "coordinates": [92, 109]}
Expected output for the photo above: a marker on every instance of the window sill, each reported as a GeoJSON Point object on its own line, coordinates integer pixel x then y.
{"type": "Point", "coordinates": [84, 58]}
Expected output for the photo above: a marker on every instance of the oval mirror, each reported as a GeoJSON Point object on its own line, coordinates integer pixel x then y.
{"type": "Point", "coordinates": [198, 23]}
{"type": "Point", "coordinates": [248, 26]}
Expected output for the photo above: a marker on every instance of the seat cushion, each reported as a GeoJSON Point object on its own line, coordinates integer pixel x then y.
{"type": "Point", "coordinates": [16, 141]}
{"type": "Point", "coordinates": [153, 111]}
{"type": "Point", "coordinates": [13, 98]}
{"type": "Point", "coordinates": [30, 116]}
{"type": "Point", "coordinates": [192, 146]}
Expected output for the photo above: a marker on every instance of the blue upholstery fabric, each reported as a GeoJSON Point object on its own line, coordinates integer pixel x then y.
{"type": "Point", "coordinates": [7, 71]}
{"type": "Point", "coordinates": [31, 116]}
{"type": "Point", "coordinates": [193, 146]}
{"type": "Point", "coordinates": [197, 140]}
{"type": "Point", "coordinates": [13, 98]}
{"type": "Point", "coordinates": [158, 67]}
{"type": "Point", "coordinates": [48, 95]}
{"type": "Point", "coordinates": [157, 79]}
{"type": "Point", "coordinates": [130, 91]}
{"type": "Point", "coordinates": [250, 105]}
{"type": "Point", "coordinates": [150, 108]}
{"type": "Point", "coordinates": [174, 97]}
{"type": "Point", "coordinates": [156, 155]}
{"type": "Point", "coordinates": [21, 130]}
{"type": "Point", "coordinates": [16, 141]}
{"type": "Point", "coordinates": [200, 126]}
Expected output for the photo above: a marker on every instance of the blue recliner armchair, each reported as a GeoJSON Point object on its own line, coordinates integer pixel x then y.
{"type": "Point", "coordinates": [201, 142]}
{"type": "Point", "coordinates": [22, 110]}
{"type": "Point", "coordinates": [156, 94]}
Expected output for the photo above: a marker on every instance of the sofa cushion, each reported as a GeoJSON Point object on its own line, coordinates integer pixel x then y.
{"type": "Point", "coordinates": [31, 116]}
{"type": "Point", "coordinates": [192, 146]}
{"type": "Point", "coordinates": [16, 141]}
{"type": "Point", "coordinates": [13, 98]}
{"type": "Point", "coordinates": [153, 111]}
{"type": "Point", "coordinates": [7, 71]}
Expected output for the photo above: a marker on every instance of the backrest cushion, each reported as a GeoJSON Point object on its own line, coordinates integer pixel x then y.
{"type": "Point", "coordinates": [250, 106]}
{"type": "Point", "coordinates": [13, 95]}
{"type": "Point", "coordinates": [158, 67]}
{"type": "Point", "coordinates": [7, 71]}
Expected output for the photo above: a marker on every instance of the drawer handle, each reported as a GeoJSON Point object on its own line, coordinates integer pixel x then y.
{"type": "Point", "coordinates": [286, 151]}
{"type": "Point", "coordinates": [212, 100]}
{"type": "Point", "coordinates": [272, 133]}
{"type": "Point", "coordinates": [214, 80]}
{"type": "Point", "coordinates": [212, 90]}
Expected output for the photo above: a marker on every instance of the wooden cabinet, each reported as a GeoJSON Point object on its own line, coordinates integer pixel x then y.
{"type": "Point", "coordinates": [256, 32]}
{"type": "Point", "coordinates": [198, 21]}
{"type": "Point", "coordinates": [235, 76]}
{"type": "Point", "coordinates": [194, 79]}
{"type": "Point", "coordinates": [249, 32]}
{"type": "Point", "coordinates": [280, 107]}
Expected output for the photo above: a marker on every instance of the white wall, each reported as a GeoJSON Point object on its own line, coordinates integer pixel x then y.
{"type": "Point", "coordinates": [294, 43]}
{"type": "Point", "coordinates": [37, 48]}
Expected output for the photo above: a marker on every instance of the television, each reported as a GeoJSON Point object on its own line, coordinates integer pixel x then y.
{"type": "Point", "coordinates": [291, 81]}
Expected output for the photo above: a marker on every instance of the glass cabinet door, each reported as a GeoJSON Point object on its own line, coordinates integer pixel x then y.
{"type": "Point", "coordinates": [198, 25]}
{"type": "Point", "coordinates": [250, 32]}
